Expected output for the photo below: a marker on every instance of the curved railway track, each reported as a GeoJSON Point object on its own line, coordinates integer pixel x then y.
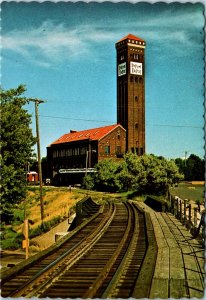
{"type": "Point", "coordinates": [101, 260]}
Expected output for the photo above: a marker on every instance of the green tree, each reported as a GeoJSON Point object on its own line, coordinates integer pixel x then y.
{"type": "Point", "coordinates": [193, 167]}
{"type": "Point", "coordinates": [126, 180]}
{"type": "Point", "coordinates": [160, 174]}
{"type": "Point", "coordinates": [146, 174]}
{"type": "Point", "coordinates": [16, 149]}
{"type": "Point", "coordinates": [88, 182]}
{"type": "Point", "coordinates": [136, 170]}
{"type": "Point", "coordinates": [181, 165]}
{"type": "Point", "coordinates": [105, 178]}
{"type": "Point", "coordinates": [110, 176]}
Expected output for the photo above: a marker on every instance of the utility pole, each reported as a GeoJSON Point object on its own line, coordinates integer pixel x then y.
{"type": "Point", "coordinates": [88, 159]}
{"type": "Point", "coordinates": [186, 172]}
{"type": "Point", "coordinates": [37, 102]}
{"type": "Point", "coordinates": [185, 157]}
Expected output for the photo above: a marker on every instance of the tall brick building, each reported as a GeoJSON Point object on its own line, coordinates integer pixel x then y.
{"type": "Point", "coordinates": [131, 91]}
{"type": "Point", "coordinates": [78, 151]}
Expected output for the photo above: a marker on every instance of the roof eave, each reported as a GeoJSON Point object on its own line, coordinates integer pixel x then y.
{"type": "Point", "coordinates": [118, 125]}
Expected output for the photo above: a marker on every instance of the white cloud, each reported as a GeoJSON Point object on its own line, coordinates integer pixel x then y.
{"type": "Point", "coordinates": [54, 43]}
{"type": "Point", "coordinates": [50, 43]}
{"type": "Point", "coordinates": [176, 20]}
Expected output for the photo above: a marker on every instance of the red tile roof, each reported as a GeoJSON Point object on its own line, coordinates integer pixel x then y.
{"type": "Point", "coordinates": [131, 37]}
{"type": "Point", "coordinates": [92, 134]}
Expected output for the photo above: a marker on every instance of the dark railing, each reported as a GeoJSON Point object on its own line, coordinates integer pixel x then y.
{"type": "Point", "coordinates": [86, 208]}
{"type": "Point", "coordinates": [189, 214]}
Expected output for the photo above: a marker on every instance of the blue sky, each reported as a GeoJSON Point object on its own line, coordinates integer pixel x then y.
{"type": "Point", "coordinates": [65, 54]}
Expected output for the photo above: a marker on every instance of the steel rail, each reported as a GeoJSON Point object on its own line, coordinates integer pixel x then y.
{"type": "Point", "coordinates": [80, 277]}
{"type": "Point", "coordinates": [84, 246]}
{"type": "Point", "coordinates": [91, 292]}
{"type": "Point", "coordinates": [105, 263]}
{"type": "Point", "coordinates": [111, 289]}
{"type": "Point", "coordinates": [9, 274]}
{"type": "Point", "coordinates": [28, 285]}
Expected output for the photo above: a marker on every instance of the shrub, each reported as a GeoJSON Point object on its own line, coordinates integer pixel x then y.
{"type": "Point", "coordinates": [11, 240]}
{"type": "Point", "coordinates": [45, 228]}
{"type": "Point", "coordinates": [88, 182]}
{"type": "Point", "coordinates": [18, 216]}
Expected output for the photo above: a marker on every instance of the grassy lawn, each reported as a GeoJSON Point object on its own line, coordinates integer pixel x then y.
{"type": "Point", "coordinates": [189, 191]}
{"type": "Point", "coordinates": [59, 203]}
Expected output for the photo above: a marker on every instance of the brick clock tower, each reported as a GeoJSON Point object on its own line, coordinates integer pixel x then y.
{"type": "Point", "coordinates": [131, 91]}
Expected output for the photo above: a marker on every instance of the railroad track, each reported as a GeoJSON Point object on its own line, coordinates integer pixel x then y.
{"type": "Point", "coordinates": [22, 275]}
{"type": "Point", "coordinates": [101, 260]}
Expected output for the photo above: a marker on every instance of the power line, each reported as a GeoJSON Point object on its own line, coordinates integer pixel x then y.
{"type": "Point", "coordinates": [170, 125]}
{"type": "Point", "coordinates": [104, 121]}
{"type": "Point", "coordinates": [76, 119]}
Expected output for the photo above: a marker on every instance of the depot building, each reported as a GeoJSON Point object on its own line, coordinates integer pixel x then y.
{"type": "Point", "coordinates": [78, 151]}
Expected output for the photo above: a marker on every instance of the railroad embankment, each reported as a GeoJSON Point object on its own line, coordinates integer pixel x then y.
{"type": "Point", "coordinates": [126, 249]}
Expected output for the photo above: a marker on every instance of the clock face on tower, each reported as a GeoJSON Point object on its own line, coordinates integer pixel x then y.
{"type": "Point", "coordinates": [122, 69]}
{"type": "Point", "coordinates": [135, 68]}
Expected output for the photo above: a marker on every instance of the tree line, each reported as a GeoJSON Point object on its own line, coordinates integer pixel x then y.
{"type": "Point", "coordinates": [193, 168]}
{"type": "Point", "coordinates": [146, 174]}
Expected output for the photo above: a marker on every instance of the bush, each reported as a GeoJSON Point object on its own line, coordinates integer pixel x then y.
{"type": "Point", "coordinates": [88, 182]}
{"type": "Point", "coordinates": [45, 228]}
{"type": "Point", "coordinates": [18, 216]}
{"type": "Point", "coordinates": [11, 240]}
